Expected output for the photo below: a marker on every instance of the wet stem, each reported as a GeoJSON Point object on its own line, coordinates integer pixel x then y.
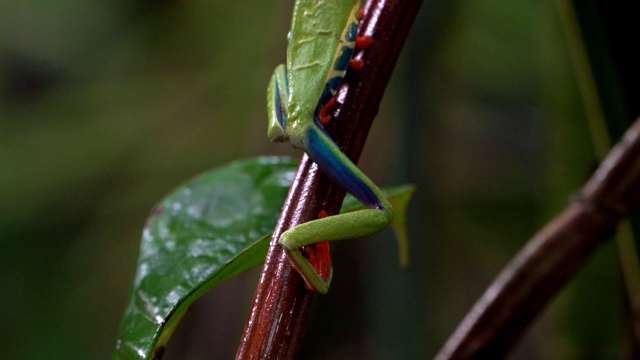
{"type": "Point", "coordinates": [281, 304]}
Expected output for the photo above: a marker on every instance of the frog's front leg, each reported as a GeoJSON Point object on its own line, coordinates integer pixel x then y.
{"type": "Point", "coordinates": [341, 169]}
{"type": "Point", "coordinates": [277, 93]}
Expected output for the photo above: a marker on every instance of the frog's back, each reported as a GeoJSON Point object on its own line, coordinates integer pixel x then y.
{"type": "Point", "coordinates": [315, 36]}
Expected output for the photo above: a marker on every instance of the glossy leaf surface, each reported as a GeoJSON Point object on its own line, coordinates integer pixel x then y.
{"type": "Point", "coordinates": [205, 232]}
{"type": "Point", "coordinates": [198, 236]}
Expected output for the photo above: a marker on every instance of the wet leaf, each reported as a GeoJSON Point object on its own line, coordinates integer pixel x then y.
{"type": "Point", "coordinates": [208, 230]}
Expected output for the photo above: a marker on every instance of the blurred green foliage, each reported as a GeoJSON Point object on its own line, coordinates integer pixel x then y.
{"type": "Point", "coordinates": [105, 106]}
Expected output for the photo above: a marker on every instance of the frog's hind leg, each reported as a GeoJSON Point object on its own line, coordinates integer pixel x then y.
{"type": "Point", "coordinates": [374, 218]}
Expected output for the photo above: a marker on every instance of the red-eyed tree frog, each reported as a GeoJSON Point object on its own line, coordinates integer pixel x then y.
{"type": "Point", "coordinates": [322, 39]}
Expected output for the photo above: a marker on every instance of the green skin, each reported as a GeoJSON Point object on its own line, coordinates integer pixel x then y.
{"type": "Point", "coordinates": [294, 96]}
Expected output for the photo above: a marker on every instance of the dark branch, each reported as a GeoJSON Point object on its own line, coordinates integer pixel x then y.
{"type": "Point", "coordinates": [551, 258]}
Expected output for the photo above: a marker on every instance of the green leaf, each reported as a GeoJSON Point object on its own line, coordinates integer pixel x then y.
{"type": "Point", "coordinates": [206, 231]}
{"type": "Point", "coordinates": [210, 229]}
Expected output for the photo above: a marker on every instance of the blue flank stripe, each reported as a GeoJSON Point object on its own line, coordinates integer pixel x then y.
{"type": "Point", "coordinates": [342, 62]}
{"type": "Point", "coordinates": [340, 65]}
{"type": "Point", "coordinates": [353, 32]}
{"type": "Point", "coordinates": [330, 89]}
{"type": "Point", "coordinates": [321, 149]}
{"type": "Point", "coordinates": [333, 84]}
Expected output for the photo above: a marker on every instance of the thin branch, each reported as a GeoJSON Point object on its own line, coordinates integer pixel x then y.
{"type": "Point", "coordinates": [551, 258]}
{"type": "Point", "coordinates": [281, 304]}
